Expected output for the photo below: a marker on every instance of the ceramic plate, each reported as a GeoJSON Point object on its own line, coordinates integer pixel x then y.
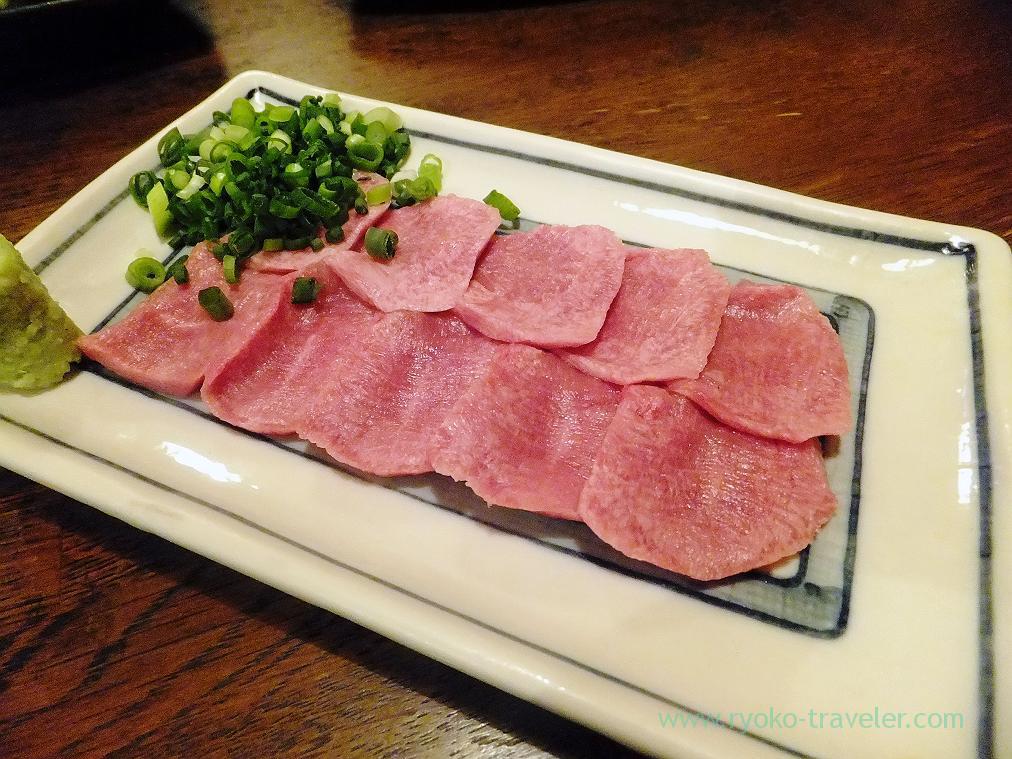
{"type": "Point", "coordinates": [888, 636]}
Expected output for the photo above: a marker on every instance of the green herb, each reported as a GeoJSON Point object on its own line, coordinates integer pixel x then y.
{"type": "Point", "coordinates": [179, 272]}
{"type": "Point", "coordinates": [380, 243]}
{"type": "Point", "coordinates": [145, 274]}
{"type": "Point", "coordinates": [507, 209]}
{"type": "Point", "coordinates": [305, 290]}
{"type": "Point", "coordinates": [213, 300]}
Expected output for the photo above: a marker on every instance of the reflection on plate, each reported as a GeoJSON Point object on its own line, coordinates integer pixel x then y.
{"type": "Point", "coordinates": [890, 608]}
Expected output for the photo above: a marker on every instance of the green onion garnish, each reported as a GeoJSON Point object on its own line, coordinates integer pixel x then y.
{"type": "Point", "coordinates": [273, 244]}
{"type": "Point", "coordinates": [379, 194]}
{"type": "Point", "coordinates": [171, 147]}
{"type": "Point", "coordinates": [158, 205]}
{"type": "Point", "coordinates": [507, 209]}
{"type": "Point", "coordinates": [213, 300]}
{"type": "Point", "coordinates": [380, 243]}
{"type": "Point", "coordinates": [282, 173]}
{"type": "Point", "coordinates": [431, 168]}
{"type": "Point", "coordinates": [305, 289]}
{"type": "Point", "coordinates": [179, 272]}
{"type": "Point", "coordinates": [145, 274]}
{"type": "Point", "coordinates": [230, 265]}
{"type": "Point", "coordinates": [140, 185]}
{"type": "Point", "coordinates": [316, 244]}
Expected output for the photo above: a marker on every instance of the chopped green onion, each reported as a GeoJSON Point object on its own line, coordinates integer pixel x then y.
{"type": "Point", "coordinates": [280, 114]}
{"type": "Point", "coordinates": [279, 140]}
{"type": "Point", "coordinates": [390, 120]}
{"type": "Point", "coordinates": [379, 194]}
{"type": "Point", "coordinates": [158, 205]}
{"type": "Point", "coordinates": [507, 209]}
{"type": "Point", "coordinates": [235, 133]}
{"type": "Point", "coordinates": [326, 123]}
{"type": "Point", "coordinates": [218, 250]}
{"type": "Point", "coordinates": [305, 290]}
{"type": "Point", "coordinates": [296, 243]}
{"type": "Point", "coordinates": [273, 244]}
{"type": "Point", "coordinates": [364, 154]}
{"type": "Point", "coordinates": [431, 168]}
{"type": "Point", "coordinates": [335, 234]}
{"type": "Point", "coordinates": [213, 300]}
{"type": "Point", "coordinates": [192, 187]}
{"type": "Point", "coordinates": [217, 182]}
{"type": "Point", "coordinates": [140, 185]}
{"type": "Point", "coordinates": [243, 113]}
{"type": "Point", "coordinates": [145, 274]}
{"type": "Point", "coordinates": [242, 242]}
{"type": "Point", "coordinates": [171, 147]}
{"type": "Point", "coordinates": [178, 178]}
{"type": "Point", "coordinates": [220, 151]}
{"type": "Point", "coordinates": [230, 265]}
{"type": "Point", "coordinates": [376, 132]}
{"type": "Point", "coordinates": [204, 151]}
{"type": "Point", "coordinates": [380, 243]}
{"type": "Point", "coordinates": [332, 100]}
{"type": "Point", "coordinates": [179, 272]}
{"type": "Point", "coordinates": [316, 244]}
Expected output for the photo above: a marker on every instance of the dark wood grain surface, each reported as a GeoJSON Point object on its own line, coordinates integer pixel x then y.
{"type": "Point", "coordinates": [116, 642]}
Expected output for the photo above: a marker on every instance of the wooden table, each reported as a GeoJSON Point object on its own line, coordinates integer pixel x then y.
{"type": "Point", "coordinates": [112, 641]}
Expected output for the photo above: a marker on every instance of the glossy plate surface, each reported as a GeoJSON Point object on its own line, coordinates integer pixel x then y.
{"type": "Point", "coordinates": [899, 606]}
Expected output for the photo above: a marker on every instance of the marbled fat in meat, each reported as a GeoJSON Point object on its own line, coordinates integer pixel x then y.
{"type": "Point", "coordinates": [674, 487]}
{"type": "Point", "coordinates": [663, 322]}
{"type": "Point", "coordinates": [526, 433]}
{"type": "Point", "coordinates": [777, 368]}
{"type": "Point", "coordinates": [438, 243]}
{"type": "Point", "coordinates": [550, 287]}
{"type": "Point", "coordinates": [271, 381]}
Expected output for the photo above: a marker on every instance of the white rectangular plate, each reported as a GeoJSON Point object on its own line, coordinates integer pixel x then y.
{"type": "Point", "coordinates": [901, 605]}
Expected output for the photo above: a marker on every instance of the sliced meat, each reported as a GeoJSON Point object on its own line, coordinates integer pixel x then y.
{"type": "Point", "coordinates": [274, 378]}
{"type": "Point", "coordinates": [663, 322]}
{"type": "Point", "coordinates": [168, 343]}
{"type": "Point", "coordinates": [439, 241]}
{"type": "Point", "coordinates": [284, 261]}
{"type": "Point", "coordinates": [674, 487]}
{"type": "Point", "coordinates": [525, 434]}
{"type": "Point", "coordinates": [550, 287]}
{"type": "Point", "coordinates": [384, 400]}
{"type": "Point", "coordinates": [777, 368]}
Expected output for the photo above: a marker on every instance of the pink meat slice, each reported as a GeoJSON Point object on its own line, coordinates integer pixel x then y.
{"type": "Point", "coordinates": [385, 399]}
{"type": "Point", "coordinates": [777, 368]}
{"type": "Point", "coordinates": [550, 287]}
{"type": "Point", "coordinates": [439, 241]}
{"type": "Point", "coordinates": [168, 343]}
{"type": "Point", "coordinates": [663, 322]}
{"type": "Point", "coordinates": [674, 487]}
{"type": "Point", "coordinates": [525, 434]}
{"type": "Point", "coordinates": [272, 380]}
{"type": "Point", "coordinates": [284, 261]}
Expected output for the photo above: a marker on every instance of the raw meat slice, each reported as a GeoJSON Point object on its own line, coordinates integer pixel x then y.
{"type": "Point", "coordinates": [526, 433]}
{"type": "Point", "coordinates": [439, 241]}
{"type": "Point", "coordinates": [272, 380]}
{"type": "Point", "coordinates": [284, 261]}
{"type": "Point", "coordinates": [168, 343]}
{"type": "Point", "coordinates": [676, 488]}
{"type": "Point", "coordinates": [662, 323]}
{"type": "Point", "coordinates": [777, 368]}
{"type": "Point", "coordinates": [385, 399]}
{"type": "Point", "coordinates": [550, 287]}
